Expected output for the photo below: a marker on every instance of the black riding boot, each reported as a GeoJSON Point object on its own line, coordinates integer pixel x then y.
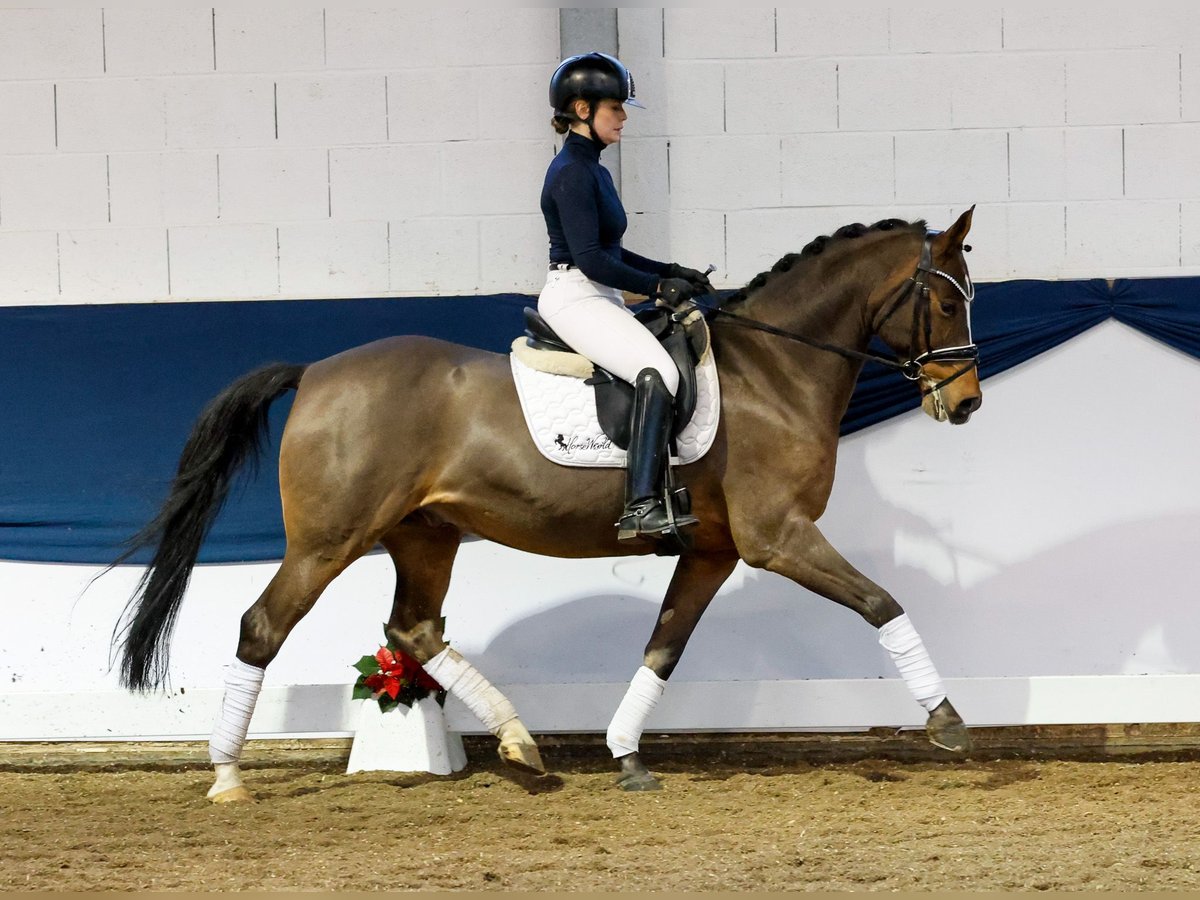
{"type": "Point", "coordinates": [645, 512]}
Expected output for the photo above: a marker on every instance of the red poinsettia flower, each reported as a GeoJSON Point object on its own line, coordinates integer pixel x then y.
{"type": "Point", "coordinates": [391, 677]}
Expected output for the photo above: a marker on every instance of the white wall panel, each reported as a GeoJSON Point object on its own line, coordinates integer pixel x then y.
{"type": "Point", "coordinates": [270, 39]}
{"type": "Point", "coordinates": [719, 32]}
{"type": "Point", "coordinates": [990, 90]}
{"type": "Point", "coordinates": [1017, 240]}
{"type": "Point", "coordinates": [945, 29]}
{"type": "Point", "coordinates": [780, 96]}
{"type": "Point", "coordinates": [511, 101]}
{"type": "Point", "coordinates": [220, 111]}
{"type": "Point", "coordinates": [951, 166]}
{"type": "Point", "coordinates": [1163, 161]}
{"type": "Point", "coordinates": [805, 30]}
{"type": "Point", "coordinates": [27, 109]}
{"type": "Point", "coordinates": [416, 38]}
{"type": "Point", "coordinates": [68, 191]}
{"type": "Point", "coordinates": [158, 40]}
{"type": "Point", "coordinates": [1102, 25]}
{"type": "Point", "coordinates": [682, 97]}
{"type": "Point", "coordinates": [177, 188]}
{"type": "Point", "coordinates": [1066, 163]}
{"type": "Point", "coordinates": [435, 255]}
{"type": "Point", "coordinates": [113, 264]}
{"type": "Point", "coordinates": [494, 177]}
{"type": "Point", "coordinates": [224, 262]}
{"type": "Point", "coordinates": [381, 182]}
{"type": "Point", "coordinates": [725, 173]}
{"type": "Point", "coordinates": [51, 43]}
{"type": "Point", "coordinates": [274, 185]}
{"type": "Point", "coordinates": [644, 174]}
{"type": "Point", "coordinates": [831, 169]}
{"type": "Point", "coordinates": [331, 110]}
{"type": "Point", "coordinates": [432, 105]}
{"type": "Point", "coordinates": [112, 114]}
{"type": "Point", "coordinates": [1189, 233]}
{"type": "Point", "coordinates": [893, 93]}
{"type": "Point", "coordinates": [1189, 72]}
{"type": "Point", "coordinates": [512, 253]}
{"type": "Point", "coordinates": [333, 259]}
{"type": "Point", "coordinates": [1129, 87]}
{"type": "Point", "coordinates": [28, 268]}
{"type": "Point", "coordinates": [1122, 236]}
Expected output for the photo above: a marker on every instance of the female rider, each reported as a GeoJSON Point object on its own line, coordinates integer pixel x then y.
{"type": "Point", "coordinates": [582, 299]}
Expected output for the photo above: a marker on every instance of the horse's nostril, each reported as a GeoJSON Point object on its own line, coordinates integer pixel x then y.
{"type": "Point", "coordinates": [970, 404]}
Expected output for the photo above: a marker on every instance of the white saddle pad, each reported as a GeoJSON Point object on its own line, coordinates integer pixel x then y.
{"type": "Point", "coordinates": [560, 411]}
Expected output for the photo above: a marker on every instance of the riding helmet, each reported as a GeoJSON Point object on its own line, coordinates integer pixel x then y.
{"type": "Point", "coordinates": [592, 76]}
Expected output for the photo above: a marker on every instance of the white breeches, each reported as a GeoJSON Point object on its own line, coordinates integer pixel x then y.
{"type": "Point", "coordinates": [595, 323]}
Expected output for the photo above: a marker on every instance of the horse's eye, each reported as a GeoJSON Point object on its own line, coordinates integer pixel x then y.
{"type": "Point", "coordinates": [948, 308]}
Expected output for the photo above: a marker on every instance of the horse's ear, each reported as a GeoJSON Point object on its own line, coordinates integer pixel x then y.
{"type": "Point", "coordinates": [952, 237]}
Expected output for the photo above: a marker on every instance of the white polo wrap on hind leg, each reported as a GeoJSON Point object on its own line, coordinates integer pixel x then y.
{"type": "Point", "coordinates": [625, 730]}
{"type": "Point", "coordinates": [465, 682]}
{"type": "Point", "coordinates": [242, 685]}
{"type": "Point", "coordinates": [908, 651]}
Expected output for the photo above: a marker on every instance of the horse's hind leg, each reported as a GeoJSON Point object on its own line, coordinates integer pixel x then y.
{"type": "Point", "coordinates": [423, 555]}
{"type": "Point", "coordinates": [265, 625]}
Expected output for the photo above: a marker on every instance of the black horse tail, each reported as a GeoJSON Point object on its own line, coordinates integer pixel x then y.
{"type": "Point", "coordinates": [228, 434]}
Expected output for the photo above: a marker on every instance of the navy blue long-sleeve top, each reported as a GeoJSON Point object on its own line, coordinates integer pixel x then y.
{"type": "Point", "coordinates": [585, 220]}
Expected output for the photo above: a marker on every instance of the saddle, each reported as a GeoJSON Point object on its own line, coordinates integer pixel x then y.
{"type": "Point", "coordinates": [685, 340]}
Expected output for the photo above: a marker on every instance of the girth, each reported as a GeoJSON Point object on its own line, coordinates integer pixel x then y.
{"type": "Point", "coordinates": [614, 397]}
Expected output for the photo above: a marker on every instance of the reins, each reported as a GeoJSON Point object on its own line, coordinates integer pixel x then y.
{"type": "Point", "coordinates": [910, 368]}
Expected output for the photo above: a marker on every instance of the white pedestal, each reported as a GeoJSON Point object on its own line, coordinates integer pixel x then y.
{"type": "Point", "coordinates": [405, 740]}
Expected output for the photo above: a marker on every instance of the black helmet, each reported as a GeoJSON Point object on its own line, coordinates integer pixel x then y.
{"type": "Point", "coordinates": [592, 76]}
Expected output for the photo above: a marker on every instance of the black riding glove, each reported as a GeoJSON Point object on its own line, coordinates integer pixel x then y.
{"type": "Point", "coordinates": [698, 279]}
{"type": "Point", "coordinates": [673, 292]}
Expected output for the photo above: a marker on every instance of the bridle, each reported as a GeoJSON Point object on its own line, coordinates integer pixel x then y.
{"type": "Point", "coordinates": [922, 326]}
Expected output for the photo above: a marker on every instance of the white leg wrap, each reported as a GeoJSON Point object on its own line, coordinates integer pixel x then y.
{"type": "Point", "coordinates": [628, 722]}
{"type": "Point", "coordinates": [466, 683]}
{"type": "Point", "coordinates": [242, 684]}
{"type": "Point", "coordinates": [908, 651]}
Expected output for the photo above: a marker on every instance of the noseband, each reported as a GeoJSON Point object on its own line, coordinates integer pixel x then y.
{"type": "Point", "coordinates": [915, 285]}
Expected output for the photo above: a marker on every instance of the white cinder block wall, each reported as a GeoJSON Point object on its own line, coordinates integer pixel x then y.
{"type": "Point", "coordinates": [183, 153]}
{"type": "Point", "coordinates": [175, 153]}
{"type": "Point", "coordinates": [1076, 132]}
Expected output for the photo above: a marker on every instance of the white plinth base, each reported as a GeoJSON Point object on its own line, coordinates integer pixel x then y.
{"type": "Point", "coordinates": [405, 740]}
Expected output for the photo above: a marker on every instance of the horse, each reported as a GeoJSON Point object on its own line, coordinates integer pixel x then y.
{"type": "Point", "coordinates": [416, 444]}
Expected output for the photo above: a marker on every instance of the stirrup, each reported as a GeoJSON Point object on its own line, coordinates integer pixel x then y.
{"type": "Point", "coordinates": [651, 517]}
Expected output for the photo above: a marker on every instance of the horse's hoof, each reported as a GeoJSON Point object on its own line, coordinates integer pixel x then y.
{"type": "Point", "coordinates": [523, 757]}
{"type": "Point", "coordinates": [945, 729]}
{"type": "Point", "coordinates": [237, 794]}
{"type": "Point", "coordinates": [639, 781]}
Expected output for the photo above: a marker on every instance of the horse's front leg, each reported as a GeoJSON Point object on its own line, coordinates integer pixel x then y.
{"type": "Point", "coordinates": [696, 581]}
{"type": "Point", "coordinates": [801, 553]}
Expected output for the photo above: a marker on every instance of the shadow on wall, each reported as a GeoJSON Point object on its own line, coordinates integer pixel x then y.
{"type": "Point", "coordinates": [1082, 607]}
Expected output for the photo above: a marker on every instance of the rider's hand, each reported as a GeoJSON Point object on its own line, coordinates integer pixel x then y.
{"type": "Point", "coordinates": [673, 292]}
{"type": "Point", "coordinates": [698, 279]}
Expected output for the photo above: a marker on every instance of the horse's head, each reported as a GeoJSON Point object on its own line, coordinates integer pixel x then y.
{"type": "Point", "coordinates": [923, 313]}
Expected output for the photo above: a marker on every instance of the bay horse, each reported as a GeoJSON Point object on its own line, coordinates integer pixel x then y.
{"type": "Point", "coordinates": [414, 443]}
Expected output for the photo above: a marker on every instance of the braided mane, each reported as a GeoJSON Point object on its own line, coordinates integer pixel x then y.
{"type": "Point", "coordinates": [816, 247]}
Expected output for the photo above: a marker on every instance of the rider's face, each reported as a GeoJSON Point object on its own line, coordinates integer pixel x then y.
{"type": "Point", "coordinates": [610, 119]}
